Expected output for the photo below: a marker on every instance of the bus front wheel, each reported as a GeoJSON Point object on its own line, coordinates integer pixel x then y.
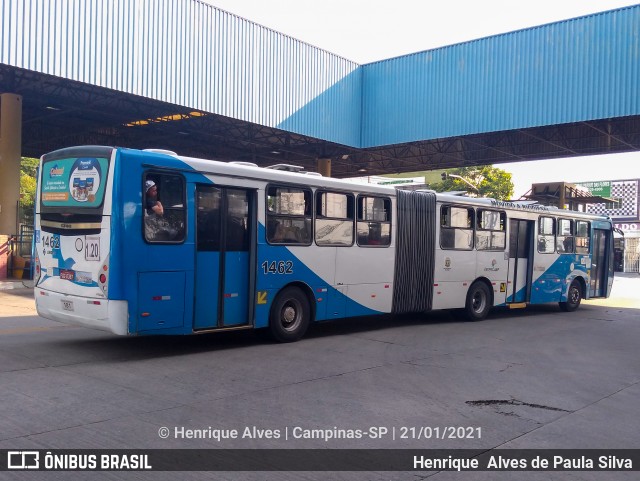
{"type": "Point", "coordinates": [574, 296]}
{"type": "Point", "coordinates": [478, 302]}
{"type": "Point", "coordinates": [290, 315]}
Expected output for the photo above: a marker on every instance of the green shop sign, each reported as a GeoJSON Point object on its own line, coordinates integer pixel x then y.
{"type": "Point", "coordinates": [601, 188]}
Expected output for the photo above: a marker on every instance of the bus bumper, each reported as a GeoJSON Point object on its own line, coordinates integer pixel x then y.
{"type": "Point", "coordinates": [106, 315]}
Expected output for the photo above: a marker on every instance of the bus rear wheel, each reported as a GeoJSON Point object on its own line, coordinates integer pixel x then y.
{"type": "Point", "coordinates": [290, 315]}
{"type": "Point", "coordinates": [574, 296]}
{"type": "Point", "coordinates": [478, 302]}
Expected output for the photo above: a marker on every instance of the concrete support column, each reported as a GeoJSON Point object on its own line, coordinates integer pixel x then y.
{"type": "Point", "coordinates": [324, 167]}
{"type": "Point", "coordinates": [10, 154]}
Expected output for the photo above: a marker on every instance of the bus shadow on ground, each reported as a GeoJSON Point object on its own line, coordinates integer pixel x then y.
{"type": "Point", "coordinates": [453, 316]}
{"type": "Point", "coordinates": [149, 347]}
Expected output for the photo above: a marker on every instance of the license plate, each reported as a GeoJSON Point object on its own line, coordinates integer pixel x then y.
{"type": "Point", "coordinates": [67, 305]}
{"type": "Point", "coordinates": [67, 274]}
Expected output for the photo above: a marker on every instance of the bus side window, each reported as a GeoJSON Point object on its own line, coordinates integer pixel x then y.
{"type": "Point", "coordinates": [289, 215]}
{"type": "Point", "coordinates": [582, 237]}
{"type": "Point", "coordinates": [546, 235]}
{"type": "Point", "coordinates": [334, 219]}
{"type": "Point", "coordinates": [564, 241]}
{"type": "Point", "coordinates": [163, 208]}
{"type": "Point", "coordinates": [490, 234]}
{"type": "Point", "coordinates": [374, 221]}
{"type": "Point", "coordinates": [456, 227]}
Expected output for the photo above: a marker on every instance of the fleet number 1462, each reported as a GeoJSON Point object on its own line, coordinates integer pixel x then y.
{"type": "Point", "coordinates": [277, 267]}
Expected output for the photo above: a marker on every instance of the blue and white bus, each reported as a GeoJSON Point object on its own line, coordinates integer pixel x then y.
{"type": "Point", "coordinates": [148, 242]}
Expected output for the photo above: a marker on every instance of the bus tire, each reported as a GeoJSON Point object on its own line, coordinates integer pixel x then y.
{"type": "Point", "coordinates": [574, 296]}
{"type": "Point", "coordinates": [290, 315]}
{"type": "Point", "coordinates": [478, 302]}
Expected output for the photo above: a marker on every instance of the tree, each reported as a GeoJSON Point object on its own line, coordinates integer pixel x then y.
{"type": "Point", "coordinates": [490, 182]}
{"type": "Point", "coordinates": [28, 168]}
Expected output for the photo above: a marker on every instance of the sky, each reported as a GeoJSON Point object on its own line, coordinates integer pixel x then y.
{"type": "Point", "coordinates": [368, 30]}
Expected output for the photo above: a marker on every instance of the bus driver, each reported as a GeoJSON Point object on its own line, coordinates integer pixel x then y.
{"type": "Point", "coordinates": [156, 227]}
{"type": "Point", "coordinates": [152, 204]}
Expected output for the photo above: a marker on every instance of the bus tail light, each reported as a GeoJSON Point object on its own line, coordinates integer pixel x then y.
{"type": "Point", "coordinates": [36, 271]}
{"type": "Point", "coordinates": [103, 277]}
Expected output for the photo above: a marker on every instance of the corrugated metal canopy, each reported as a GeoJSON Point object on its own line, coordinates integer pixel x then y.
{"type": "Point", "coordinates": [206, 83]}
{"type": "Point", "coordinates": [58, 113]}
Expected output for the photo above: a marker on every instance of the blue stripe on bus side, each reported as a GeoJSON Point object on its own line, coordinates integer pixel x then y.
{"type": "Point", "coordinates": [552, 285]}
{"type": "Point", "coordinates": [332, 301]}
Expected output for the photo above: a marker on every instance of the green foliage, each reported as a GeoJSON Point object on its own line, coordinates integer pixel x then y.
{"type": "Point", "coordinates": [28, 186]}
{"type": "Point", "coordinates": [490, 182]}
{"type": "Point", "coordinates": [28, 166]}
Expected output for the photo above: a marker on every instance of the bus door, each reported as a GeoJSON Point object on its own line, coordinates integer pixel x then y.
{"type": "Point", "coordinates": [223, 282]}
{"type": "Point", "coordinates": [600, 263]}
{"type": "Point", "coordinates": [520, 260]}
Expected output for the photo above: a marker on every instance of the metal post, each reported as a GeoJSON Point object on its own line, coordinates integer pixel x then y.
{"type": "Point", "coordinates": [324, 167]}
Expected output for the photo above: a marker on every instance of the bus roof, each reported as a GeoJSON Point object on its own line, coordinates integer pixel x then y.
{"type": "Point", "coordinates": [286, 173]}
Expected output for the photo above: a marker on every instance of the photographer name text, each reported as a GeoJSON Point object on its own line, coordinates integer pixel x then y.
{"type": "Point", "coordinates": [324, 434]}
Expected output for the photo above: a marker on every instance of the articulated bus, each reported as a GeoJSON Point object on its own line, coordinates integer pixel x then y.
{"type": "Point", "coordinates": [148, 242]}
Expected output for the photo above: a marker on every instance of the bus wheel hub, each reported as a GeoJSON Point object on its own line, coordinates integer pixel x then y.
{"type": "Point", "coordinates": [289, 314]}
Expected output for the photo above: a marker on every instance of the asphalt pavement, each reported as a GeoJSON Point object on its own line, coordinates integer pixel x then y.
{"type": "Point", "coordinates": [533, 378]}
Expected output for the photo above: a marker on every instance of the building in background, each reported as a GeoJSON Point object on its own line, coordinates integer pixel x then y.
{"type": "Point", "coordinates": [564, 195]}
{"type": "Point", "coordinates": [624, 211]}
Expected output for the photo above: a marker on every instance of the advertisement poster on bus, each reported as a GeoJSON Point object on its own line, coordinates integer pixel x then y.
{"type": "Point", "coordinates": [74, 182]}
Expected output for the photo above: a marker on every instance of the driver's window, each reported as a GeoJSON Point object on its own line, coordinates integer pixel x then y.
{"type": "Point", "coordinates": [163, 206]}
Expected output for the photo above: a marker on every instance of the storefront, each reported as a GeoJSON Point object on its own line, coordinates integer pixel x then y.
{"type": "Point", "coordinates": [631, 253]}
{"type": "Point", "coordinates": [625, 212]}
